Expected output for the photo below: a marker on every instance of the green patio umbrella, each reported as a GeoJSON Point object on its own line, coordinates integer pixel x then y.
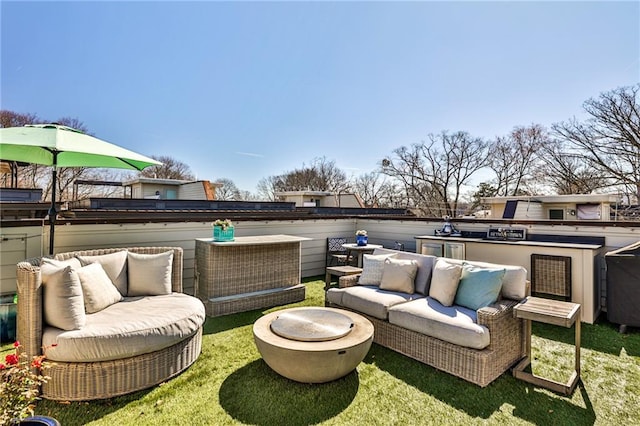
{"type": "Point", "coordinates": [60, 146]}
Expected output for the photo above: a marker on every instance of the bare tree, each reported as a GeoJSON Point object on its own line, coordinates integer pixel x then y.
{"type": "Point", "coordinates": [169, 169]}
{"type": "Point", "coordinates": [321, 175]}
{"type": "Point", "coordinates": [433, 173]}
{"type": "Point", "coordinates": [375, 190]}
{"type": "Point", "coordinates": [229, 191]}
{"type": "Point", "coordinates": [16, 119]}
{"type": "Point", "coordinates": [513, 158]}
{"type": "Point", "coordinates": [609, 140]}
{"type": "Point", "coordinates": [566, 172]}
{"type": "Point", "coordinates": [267, 188]}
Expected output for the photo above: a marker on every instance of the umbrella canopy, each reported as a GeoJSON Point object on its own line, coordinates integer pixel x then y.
{"type": "Point", "coordinates": [39, 144]}
{"type": "Point", "coordinates": [61, 146]}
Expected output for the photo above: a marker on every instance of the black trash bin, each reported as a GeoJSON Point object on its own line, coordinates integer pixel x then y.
{"type": "Point", "coordinates": [623, 286]}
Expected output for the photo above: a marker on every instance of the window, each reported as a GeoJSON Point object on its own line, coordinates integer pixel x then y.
{"type": "Point", "coordinates": [588, 211]}
{"type": "Point", "coordinates": [510, 209]}
{"type": "Point", "coordinates": [556, 214]}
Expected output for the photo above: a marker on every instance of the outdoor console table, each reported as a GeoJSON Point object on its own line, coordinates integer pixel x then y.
{"type": "Point", "coordinates": [554, 312]}
{"type": "Point", "coordinates": [248, 273]}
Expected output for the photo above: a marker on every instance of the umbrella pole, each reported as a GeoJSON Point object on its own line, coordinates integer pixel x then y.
{"type": "Point", "coordinates": [52, 209]}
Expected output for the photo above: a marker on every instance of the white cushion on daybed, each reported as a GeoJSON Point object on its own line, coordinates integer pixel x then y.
{"type": "Point", "coordinates": [134, 326]}
{"type": "Point", "coordinates": [371, 300]}
{"type": "Point", "coordinates": [425, 266]}
{"type": "Point", "coordinates": [453, 324]}
{"type": "Point", "coordinates": [514, 281]}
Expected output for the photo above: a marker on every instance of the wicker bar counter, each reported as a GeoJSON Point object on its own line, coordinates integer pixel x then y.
{"type": "Point", "coordinates": [248, 273]}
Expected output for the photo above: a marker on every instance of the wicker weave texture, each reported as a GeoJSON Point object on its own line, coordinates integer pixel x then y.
{"type": "Point", "coordinates": [215, 308]}
{"type": "Point", "coordinates": [98, 380]}
{"type": "Point", "coordinates": [244, 270]}
{"type": "Point", "coordinates": [480, 367]}
{"type": "Point", "coordinates": [551, 275]}
{"type": "Point", "coordinates": [82, 381]}
{"type": "Point", "coordinates": [231, 270]}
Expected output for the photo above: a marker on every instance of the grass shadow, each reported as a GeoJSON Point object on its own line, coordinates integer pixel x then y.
{"type": "Point", "coordinates": [602, 336]}
{"type": "Point", "coordinates": [79, 413]}
{"type": "Point", "coordinates": [529, 403]}
{"type": "Point", "coordinates": [255, 394]}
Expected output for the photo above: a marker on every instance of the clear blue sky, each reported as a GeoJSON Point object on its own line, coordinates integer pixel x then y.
{"type": "Point", "coordinates": [244, 90]}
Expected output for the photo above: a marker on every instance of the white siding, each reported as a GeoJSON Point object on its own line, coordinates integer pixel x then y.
{"type": "Point", "coordinates": [19, 243]}
{"type": "Point", "coordinates": [192, 191]}
{"type": "Point", "coordinates": [529, 210]}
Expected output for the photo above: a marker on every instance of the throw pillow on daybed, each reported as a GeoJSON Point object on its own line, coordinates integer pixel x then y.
{"type": "Point", "coordinates": [114, 264]}
{"type": "Point", "coordinates": [372, 267]}
{"type": "Point", "coordinates": [444, 281]}
{"type": "Point", "coordinates": [97, 289]}
{"type": "Point", "coordinates": [59, 264]}
{"type": "Point", "coordinates": [63, 303]}
{"type": "Point", "coordinates": [479, 287]}
{"type": "Point", "coordinates": [149, 274]}
{"type": "Point", "coordinates": [399, 275]}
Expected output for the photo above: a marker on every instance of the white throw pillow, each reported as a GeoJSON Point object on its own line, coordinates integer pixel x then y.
{"type": "Point", "coordinates": [149, 274]}
{"type": "Point", "coordinates": [372, 267]}
{"type": "Point", "coordinates": [60, 264]}
{"type": "Point", "coordinates": [62, 296]}
{"type": "Point", "coordinates": [444, 281]}
{"type": "Point", "coordinates": [114, 264]}
{"type": "Point", "coordinates": [98, 290]}
{"type": "Point", "coordinates": [399, 275]}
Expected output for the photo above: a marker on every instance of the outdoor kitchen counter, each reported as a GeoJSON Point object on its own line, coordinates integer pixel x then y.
{"type": "Point", "coordinates": [515, 242]}
{"type": "Point", "coordinates": [584, 262]}
{"type": "Point", "coordinates": [248, 273]}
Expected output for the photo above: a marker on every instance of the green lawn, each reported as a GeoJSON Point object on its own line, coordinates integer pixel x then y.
{"type": "Point", "coordinates": [230, 384]}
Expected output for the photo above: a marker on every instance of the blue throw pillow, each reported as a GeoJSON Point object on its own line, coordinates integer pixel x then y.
{"type": "Point", "coordinates": [479, 287]}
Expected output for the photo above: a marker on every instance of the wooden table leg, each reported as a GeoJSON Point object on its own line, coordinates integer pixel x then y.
{"type": "Point", "coordinates": [578, 344]}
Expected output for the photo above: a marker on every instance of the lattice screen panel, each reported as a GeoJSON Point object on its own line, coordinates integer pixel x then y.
{"type": "Point", "coordinates": [551, 275]}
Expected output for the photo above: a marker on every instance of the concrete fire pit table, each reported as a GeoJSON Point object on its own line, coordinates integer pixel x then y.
{"type": "Point", "coordinates": [313, 345]}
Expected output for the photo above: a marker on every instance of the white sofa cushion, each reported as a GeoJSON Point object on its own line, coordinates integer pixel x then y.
{"type": "Point", "coordinates": [444, 281]}
{"type": "Point", "coordinates": [97, 289]}
{"type": "Point", "coordinates": [114, 264]}
{"type": "Point", "coordinates": [479, 287]}
{"type": "Point", "coordinates": [135, 326]}
{"type": "Point", "coordinates": [372, 301]}
{"type": "Point", "coordinates": [334, 295]}
{"type": "Point", "coordinates": [63, 304]}
{"type": "Point", "coordinates": [514, 282]}
{"type": "Point", "coordinates": [425, 266]}
{"type": "Point", "coordinates": [149, 274]}
{"type": "Point", "coordinates": [454, 324]}
{"type": "Point", "coordinates": [372, 267]}
{"type": "Point", "coordinates": [399, 275]}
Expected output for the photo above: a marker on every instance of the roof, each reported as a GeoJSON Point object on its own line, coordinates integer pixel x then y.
{"type": "Point", "coordinates": [157, 181]}
{"type": "Point", "coordinates": [571, 198]}
{"type": "Point", "coordinates": [308, 192]}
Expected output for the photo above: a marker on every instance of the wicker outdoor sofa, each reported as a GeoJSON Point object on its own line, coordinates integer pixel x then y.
{"type": "Point", "coordinates": [170, 324]}
{"type": "Point", "coordinates": [426, 318]}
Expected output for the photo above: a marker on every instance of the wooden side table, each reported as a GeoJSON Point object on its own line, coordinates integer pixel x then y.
{"type": "Point", "coordinates": [360, 250]}
{"type": "Point", "coordinates": [553, 312]}
{"type": "Point", "coordinates": [339, 271]}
